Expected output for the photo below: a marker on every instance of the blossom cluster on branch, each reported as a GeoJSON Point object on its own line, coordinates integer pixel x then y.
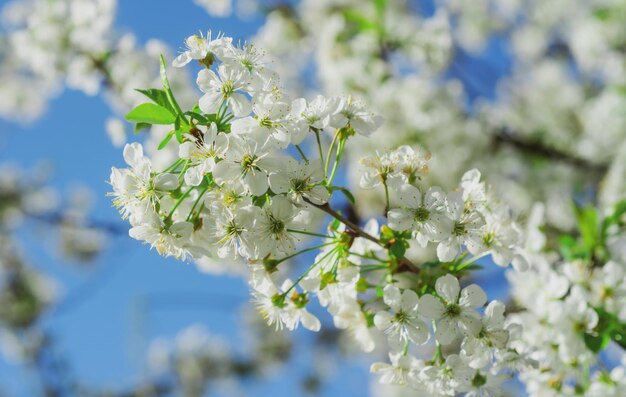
{"type": "Point", "coordinates": [253, 174]}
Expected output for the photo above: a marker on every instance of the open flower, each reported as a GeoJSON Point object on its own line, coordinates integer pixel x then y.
{"type": "Point", "coordinates": [301, 181]}
{"type": "Point", "coordinates": [225, 86]}
{"type": "Point", "coordinates": [478, 348]}
{"type": "Point", "coordinates": [404, 325]}
{"type": "Point", "coordinates": [202, 153]}
{"type": "Point", "coordinates": [198, 48]}
{"type": "Point", "coordinates": [247, 161]}
{"type": "Point", "coordinates": [452, 311]}
{"type": "Point", "coordinates": [272, 228]}
{"type": "Point", "coordinates": [425, 215]}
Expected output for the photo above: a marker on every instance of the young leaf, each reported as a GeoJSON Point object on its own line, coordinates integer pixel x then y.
{"type": "Point", "coordinates": [398, 248]}
{"type": "Point", "coordinates": [159, 97]}
{"type": "Point", "coordinates": [362, 22]}
{"type": "Point", "coordinates": [141, 126]}
{"type": "Point", "coordinates": [167, 89]}
{"type": "Point", "coordinates": [150, 113]}
{"type": "Point", "coordinates": [380, 6]}
{"type": "Point", "coordinates": [596, 343]}
{"type": "Point", "coordinates": [166, 140]}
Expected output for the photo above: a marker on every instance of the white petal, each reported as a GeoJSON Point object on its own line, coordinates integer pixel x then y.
{"type": "Point", "coordinates": [448, 288]}
{"type": "Point", "coordinates": [471, 322]}
{"type": "Point", "coordinates": [447, 250]}
{"type": "Point", "coordinates": [318, 195]}
{"type": "Point", "coordinates": [409, 301]}
{"type": "Point", "coordinates": [410, 196]}
{"type": "Point", "coordinates": [392, 297]}
{"type": "Point", "coordinates": [430, 307]}
{"type": "Point", "coordinates": [447, 330]}
{"type": "Point", "coordinates": [166, 182]}
{"type": "Point", "coordinates": [310, 322]}
{"type": "Point", "coordinates": [240, 104]}
{"type": "Point", "coordinates": [473, 296]}
{"type": "Point", "coordinates": [382, 320]}
{"type": "Point", "coordinates": [210, 102]}
{"type": "Point", "coordinates": [279, 182]}
{"type": "Point", "coordinates": [181, 60]}
{"type": "Point", "coordinates": [418, 332]}
{"type": "Point", "coordinates": [194, 175]}
{"type": "Point", "coordinates": [399, 219]}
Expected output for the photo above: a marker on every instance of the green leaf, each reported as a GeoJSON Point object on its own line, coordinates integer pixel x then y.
{"type": "Point", "coordinates": [141, 126]}
{"type": "Point", "coordinates": [609, 328]}
{"type": "Point", "coordinates": [569, 248]}
{"type": "Point", "coordinates": [398, 248]}
{"type": "Point", "coordinates": [380, 6]}
{"type": "Point", "coordinates": [167, 89]}
{"type": "Point", "coordinates": [159, 97]}
{"type": "Point", "coordinates": [198, 117]}
{"type": "Point", "coordinates": [362, 22]}
{"type": "Point", "coordinates": [596, 343]}
{"type": "Point", "coordinates": [379, 292]}
{"type": "Point", "coordinates": [615, 219]}
{"type": "Point", "coordinates": [345, 192]}
{"type": "Point", "coordinates": [602, 14]}
{"type": "Point", "coordinates": [588, 222]}
{"type": "Point", "coordinates": [166, 140]}
{"type": "Point", "coordinates": [151, 113]}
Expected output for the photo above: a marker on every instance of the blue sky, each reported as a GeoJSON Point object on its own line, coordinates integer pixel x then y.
{"type": "Point", "coordinates": [130, 294]}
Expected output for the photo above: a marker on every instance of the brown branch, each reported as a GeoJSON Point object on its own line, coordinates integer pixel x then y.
{"type": "Point", "coordinates": [503, 137]}
{"type": "Point", "coordinates": [404, 264]}
{"type": "Point", "coordinates": [352, 226]}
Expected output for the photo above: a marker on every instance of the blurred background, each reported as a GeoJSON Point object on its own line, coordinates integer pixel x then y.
{"type": "Point", "coordinates": [512, 87]}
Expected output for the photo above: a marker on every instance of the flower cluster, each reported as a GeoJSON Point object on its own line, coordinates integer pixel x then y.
{"type": "Point", "coordinates": [255, 171]}
{"type": "Point", "coordinates": [574, 308]}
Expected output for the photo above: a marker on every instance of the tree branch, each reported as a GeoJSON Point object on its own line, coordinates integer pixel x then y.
{"type": "Point", "coordinates": [504, 137]}
{"type": "Point", "coordinates": [352, 226]}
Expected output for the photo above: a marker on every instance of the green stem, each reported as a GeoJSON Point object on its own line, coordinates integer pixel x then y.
{"type": "Point", "coordinates": [179, 201]}
{"type": "Point", "coordinates": [309, 233]}
{"type": "Point", "coordinates": [185, 167]}
{"type": "Point", "coordinates": [438, 357]}
{"type": "Point", "coordinates": [319, 148]}
{"type": "Point", "coordinates": [308, 271]}
{"type": "Point", "coordinates": [337, 160]}
{"type": "Point", "coordinates": [386, 198]}
{"type": "Point", "coordinates": [375, 258]}
{"type": "Point", "coordinates": [202, 192]}
{"type": "Point", "coordinates": [471, 260]}
{"type": "Point", "coordinates": [174, 165]}
{"type": "Point", "coordinates": [303, 251]}
{"type": "Point", "coordinates": [302, 153]}
{"type": "Point", "coordinates": [330, 150]}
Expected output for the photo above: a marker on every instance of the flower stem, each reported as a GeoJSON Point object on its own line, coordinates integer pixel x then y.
{"type": "Point", "coordinates": [342, 143]}
{"type": "Point", "coordinates": [330, 149]}
{"type": "Point", "coordinates": [180, 200]}
{"type": "Point", "coordinates": [308, 233]}
{"type": "Point", "coordinates": [303, 251]}
{"type": "Point", "coordinates": [309, 270]}
{"type": "Point", "coordinates": [319, 148]}
{"type": "Point", "coordinates": [386, 198]}
{"type": "Point", "coordinates": [202, 192]}
{"type": "Point", "coordinates": [302, 153]}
